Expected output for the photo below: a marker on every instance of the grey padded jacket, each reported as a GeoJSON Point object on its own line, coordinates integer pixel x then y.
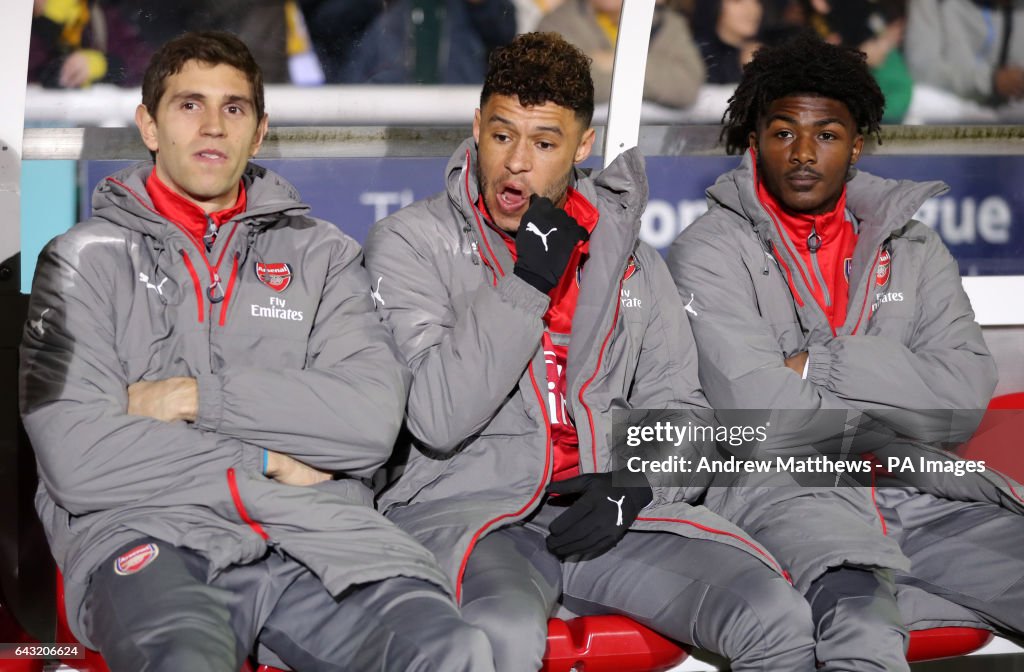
{"type": "Point", "coordinates": [910, 355]}
{"type": "Point", "coordinates": [304, 369]}
{"type": "Point", "coordinates": [471, 330]}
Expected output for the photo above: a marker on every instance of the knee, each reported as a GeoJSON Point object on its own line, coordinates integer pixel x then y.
{"type": "Point", "coordinates": [467, 650]}
{"type": "Point", "coordinates": [507, 617]}
{"type": "Point", "coordinates": [515, 628]}
{"type": "Point", "coordinates": [201, 658]}
{"type": "Point", "coordinates": [196, 641]}
{"type": "Point", "coordinates": [779, 611]}
{"type": "Point", "coordinates": [763, 625]}
{"type": "Point", "coordinates": [184, 648]}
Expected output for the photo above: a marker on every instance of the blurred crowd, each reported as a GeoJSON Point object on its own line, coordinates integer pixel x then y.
{"type": "Point", "coordinates": [973, 49]}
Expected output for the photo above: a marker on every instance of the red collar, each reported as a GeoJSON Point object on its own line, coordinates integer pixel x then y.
{"type": "Point", "coordinates": [184, 212]}
{"type": "Point", "coordinates": [798, 225]}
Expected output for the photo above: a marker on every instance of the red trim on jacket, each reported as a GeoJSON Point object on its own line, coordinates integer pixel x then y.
{"type": "Point", "coordinates": [231, 288]}
{"type": "Point", "coordinates": [867, 290]}
{"type": "Point", "coordinates": [558, 320]}
{"type": "Point", "coordinates": [597, 368]}
{"type": "Point", "coordinates": [236, 497]}
{"type": "Point", "coordinates": [200, 247]}
{"type": "Point", "coordinates": [526, 507]}
{"type": "Point", "coordinates": [200, 299]}
{"type": "Point", "coordinates": [713, 530]}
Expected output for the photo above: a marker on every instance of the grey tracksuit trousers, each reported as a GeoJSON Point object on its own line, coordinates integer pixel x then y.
{"type": "Point", "coordinates": [168, 617]}
{"type": "Point", "coordinates": [694, 591]}
{"type": "Point", "coordinates": [968, 553]}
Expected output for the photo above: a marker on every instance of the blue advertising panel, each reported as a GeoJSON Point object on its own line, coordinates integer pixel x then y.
{"type": "Point", "coordinates": [981, 218]}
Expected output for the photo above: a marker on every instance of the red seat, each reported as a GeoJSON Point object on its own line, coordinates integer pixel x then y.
{"type": "Point", "coordinates": [608, 644]}
{"type": "Point", "coordinates": [1012, 401]}
{"type": "Point", "coordinates": [618, 644]}
{"type": "Point", "coordinates": [938, 643]}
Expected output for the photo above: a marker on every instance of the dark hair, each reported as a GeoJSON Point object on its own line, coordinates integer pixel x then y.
{"type": "Point", "coordinates": [213, 48]}
{"type": "Point", "coordinates": [803, 64]}
{"type": "Point", "coordinates": [541, 68]}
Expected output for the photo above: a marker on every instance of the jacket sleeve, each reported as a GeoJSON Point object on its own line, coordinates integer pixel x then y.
{"type": "Point", "coordinates": [464, 363]}
{"type": "Point", "coordinates": [343, 410]}
{"type": "Point", "coordinates": [92, 455]}
{"type": "Point", "coordinates": [740, 361]}
{"type": "Point", "coordinates": [932, 389]}
{"type": "Point", "coordinates": [937, 54]}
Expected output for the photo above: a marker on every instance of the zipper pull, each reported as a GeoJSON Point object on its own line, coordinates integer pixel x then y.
{"type": "Point", "coordinates": [215, 291]}
{"type": "Point", "coordinates": [211, 233]}
{"type": "Point", "coordinates": [768, 248]}
{"type": "Point", "coordinates": [813, 241]}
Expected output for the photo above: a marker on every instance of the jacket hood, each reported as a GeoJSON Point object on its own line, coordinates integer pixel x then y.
{"type": "Point", "coordinates": [882, 206]}
{"type": "Point", "coordinates": [122, 199]}
{"type": "Point", "coordinates": [624, 181]}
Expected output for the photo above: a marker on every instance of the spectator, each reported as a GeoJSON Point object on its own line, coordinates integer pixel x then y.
{"type": "Point", "coordinates": [336, 28]}
{"type": "Point", "coordinates": [782, 19]}
{"type": "Point", "coordinates": [675, 69]}
{"type": "Point", "coordinates": [876, 28]}
{"type": "Point", "coordinates": [530, 12]}
{"type": "Point", "coordinates": [972, 49]}
{"type": "Point", "coordinates": [726, 32]}
{"type": "Point", "coordinates": [432, 42]}
{"type": "Point", "coordinates": [259, 23]}
{"type": "Point", "coordinates": [75, 44]}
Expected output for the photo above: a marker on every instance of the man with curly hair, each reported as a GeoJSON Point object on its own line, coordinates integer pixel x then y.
{"type": "Point", "coordinates": [528, 309]}
{"type": "Point", "coordinates": [812, 289]}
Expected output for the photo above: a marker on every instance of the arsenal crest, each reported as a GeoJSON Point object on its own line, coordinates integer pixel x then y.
{"type": "Point", "coordinates": [275, 276]}
{"type": "Point", "coordinates": [882, 272]}
{"type": "Point", "coordinates": [136, 559]}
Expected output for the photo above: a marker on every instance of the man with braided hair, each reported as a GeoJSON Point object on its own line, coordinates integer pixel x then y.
{"type": "Point", "coordinates": [813, 290]}
{"type": "Point", "coordinates": [528, 309]}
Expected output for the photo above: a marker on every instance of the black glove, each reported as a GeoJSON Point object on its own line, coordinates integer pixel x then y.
{"type": "Point", "coordinates": [600, 517]}
{"type": "Point", "coordinates": [544, 243]}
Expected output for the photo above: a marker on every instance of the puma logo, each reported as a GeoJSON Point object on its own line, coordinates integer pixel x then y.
{"type": "Point", "coordinates": [689, 306]}
{"type": "Point", "coordinates": [618, 502]}
{"type": "Point", "coordinates": [37, 325]}
{"type": "Point", "coordinates": [375, 293]}
{"type": "Point", "coordinates": [532, 228]}
{"type": "Point", "coordinates": [149, 285]}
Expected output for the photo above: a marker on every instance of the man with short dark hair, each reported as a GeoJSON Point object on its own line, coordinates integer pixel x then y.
{"type": "Point", "coordinates": [207, 387]}
{"type": "Point", "coordinates": [528, 310]}
{"type": "Point", "coordinates": [812, 290]}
